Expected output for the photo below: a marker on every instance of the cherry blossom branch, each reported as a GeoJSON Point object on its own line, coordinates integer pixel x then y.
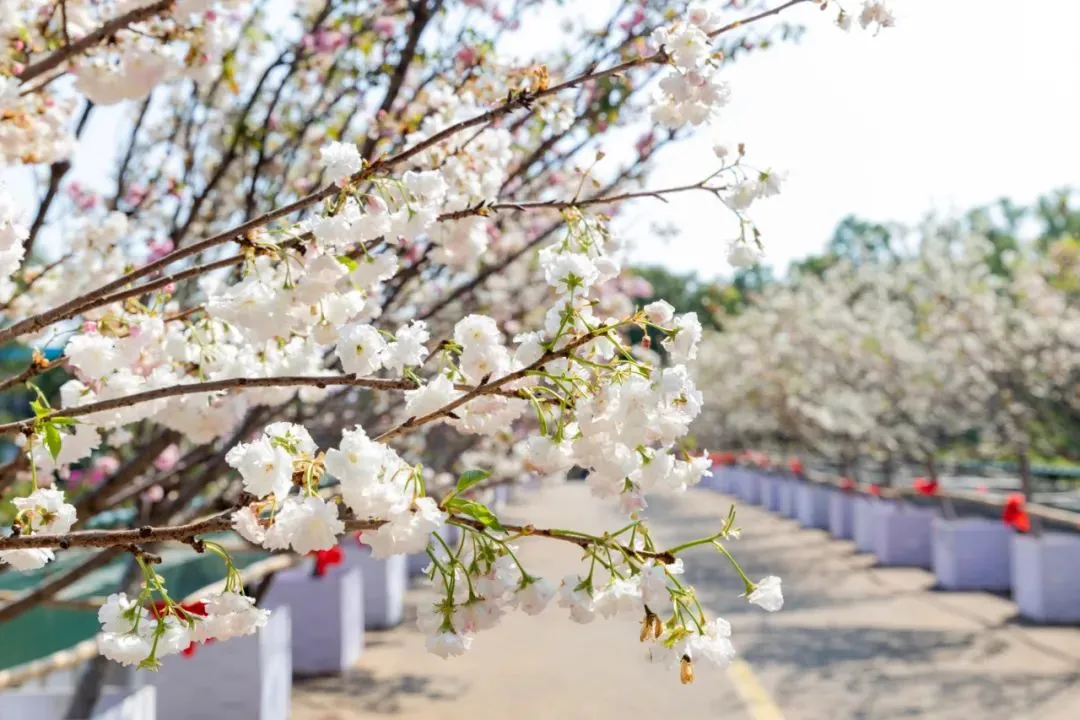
{"type": "Point", "coordinates": [87, 41]}
{"type": "Point", "coordinates": [760, 16]}
{"type": "Point", "coordinates": [484, 208]}
{"type": "Point", "coordinates": [99, 298]}
{"type": "Point", "coordinates": [524, 99]}
{"type": "Point", "coordinates": [144, 535]}
{"type": "Point", "coordinates": [189, 533]}
{"type": "Point", "coordinates": [36, 367]}
{"type": "Point", "coordinates": [488, 388]}
{"type": "Point", "coordinates": [318, 381]}
{"type": "Point", "coordinates": [582, 540]}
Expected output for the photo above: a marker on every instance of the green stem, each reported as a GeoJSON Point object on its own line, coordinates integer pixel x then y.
{"type": "Point", "coordinates": [746, 581]}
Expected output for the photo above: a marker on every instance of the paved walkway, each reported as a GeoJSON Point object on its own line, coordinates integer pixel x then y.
{"type": "Point", "coordinates": [853, 642]}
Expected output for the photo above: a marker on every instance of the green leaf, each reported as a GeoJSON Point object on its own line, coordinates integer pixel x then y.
{"type": "Point", "coordinates": [41, 405]}
{"type": "Point", "coordinates": [469, 478]}
{"type": "Point", "coordinates": [52, 440]}
{"type": "Point", "coordinates": [475, 510]}
{"type": "Point", "coordinates": [348, 262]}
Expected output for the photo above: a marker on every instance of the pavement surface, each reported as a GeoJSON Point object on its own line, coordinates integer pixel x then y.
{"type": "Point", "coordinates": [853, 641]}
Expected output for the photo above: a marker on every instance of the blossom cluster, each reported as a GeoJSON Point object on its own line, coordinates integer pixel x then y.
{"type": "Point", "coordinates": [137, 631]}
{"type": "Point", "coordinates": [42, 511]}
{"type": "Point", "coordinates": [480, 581]}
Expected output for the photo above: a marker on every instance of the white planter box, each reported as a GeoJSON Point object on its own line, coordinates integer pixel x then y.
{"type": "Point", "coordinates": [772, 492]}
{"type": "Point", "coordinates": [902, 536]}
{"type": "Point", "coordinates": [811, 506]}
{"type": "Point", "coordinates": [765, 485]}
{"type": "Point", "coordinates": [385, 582]}
{"type": "Point", "coordinates": [786, 498]}
{"type": "Point", "coordinates": [327, 616]}
{"type": "Point", "coordinates": [418, 561]}
{"type": "Point", "coordinates": [737, 484]}
{"type": "Point", "coordinates": [841, 514]}
{"type": "Point", "coordinates": [501, 494]}
{"type": "Point", "coordinates": [114, 704]}
{"type": "Point", "coordinates": [750, 486]}
{"type": "Point", "coordinates": [972, 554]}
{"type": "Point", "coordinates": [1046, 577]}
{"type": "Point", "coordinates": [725, 479]}
{"type": "Point", "coordinates": [865, 523]}
{"type": "Point", "coordinates": [244, 678]}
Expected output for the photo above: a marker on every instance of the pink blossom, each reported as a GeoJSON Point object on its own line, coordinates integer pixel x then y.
{"type": "Point", "coordinates": [153, 494]}
{"type": "Point", "coordinates": [384, 27]}
{"type": "Point", "coordinates": [466, 55]}
{"type": "Point", "coordinates": [168, 458]}
{"type": "Point", "coordinates": [634, 20]}
{"type": "Point", "coordinates": [135, 194]}
{"type": "Point", "coordinates": [160, 248]}
{"type": "Point", "coordinates": [324, 41]}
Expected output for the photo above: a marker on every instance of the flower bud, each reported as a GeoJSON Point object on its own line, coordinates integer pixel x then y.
{"type": "Point", "coordinates": [686, 670]}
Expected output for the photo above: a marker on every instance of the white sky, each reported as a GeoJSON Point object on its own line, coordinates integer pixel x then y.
{"type": "Point", "coordinates": [963, 102]}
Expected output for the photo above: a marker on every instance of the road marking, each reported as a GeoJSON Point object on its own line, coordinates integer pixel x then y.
{"type": "Point", "coordinates": [753, 695]}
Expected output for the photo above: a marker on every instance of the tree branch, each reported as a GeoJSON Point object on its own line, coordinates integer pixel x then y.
{"type": "Point", "coordinates": [107, 30]}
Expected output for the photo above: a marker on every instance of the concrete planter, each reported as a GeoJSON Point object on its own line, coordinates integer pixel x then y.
{"type": "Point", "coordinates": [902, 536]}
{"type": "Point", "coordinates": [501, 493]}
{"type": "Point", "coordinates": [766, 483]}
{"type": "Point", "coordinates": [750, 486]}
{"type": "Point", "coordinates": [244, 678]}
{"type": "Point", "coordinates": [385, 582]}
{"type": "Point", "coordinates": [114, 704]}
{"type": "Point", "coordinates": [785, 504]}
{"type": "Point", "coordinates": [733, 480]}
{"type": "Point", "coordinates": [418, 561]}
{"type": "Point", "coordinates": [972, 554]}
{"type": "Point", "coordinates": [327, 617]}
{"type": "Point", "coordinates": [711, 482]}
{"type": "Point", "coordinates": [772, 492]}
{"type": "Point", "coordinates": [865, 522]}
{"type": "Point", "coordinates": [811, 506]}
{"type": "Point", "coordinates": [841, 514]}
{"type": "Point", "coordinates": [1046, 577]}
{"type": "Point", "coordinates": [724, 479]}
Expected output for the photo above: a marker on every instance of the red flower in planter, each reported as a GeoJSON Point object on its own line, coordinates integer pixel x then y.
{"type": "Point", "coordinates": [723, 458]}
{"type": "Point", "coordinates": [1014, 515]}
{"type": "Point", "coordinates": [324, 559]}
{"type": "Point", "coordinates": [847, 483]}
{"type": "Point", "coordinates": [875, 490]}
{"type": "Point", "coordinates": [796, 466]}
{"type": "Point", "coordinates": [925, 486]}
